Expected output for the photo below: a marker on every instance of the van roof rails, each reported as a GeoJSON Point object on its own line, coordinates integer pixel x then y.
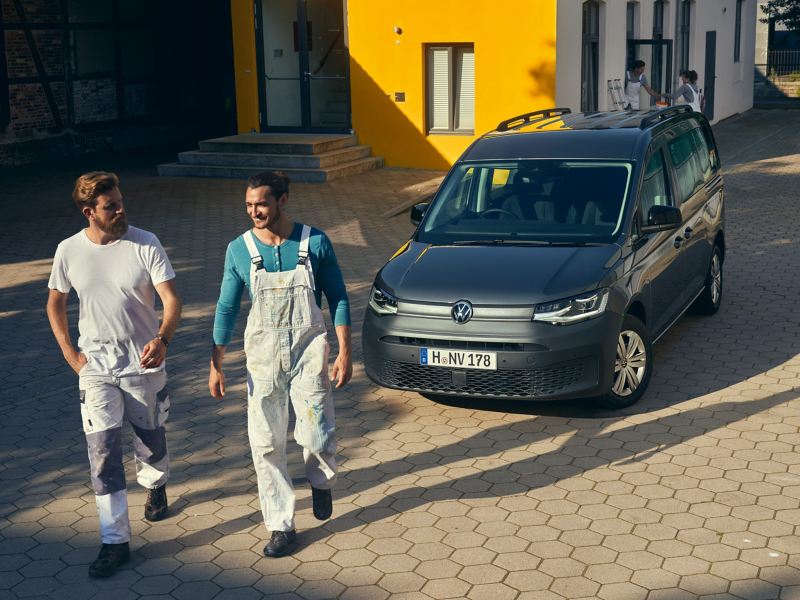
{"type": "Point", "coordinates": [537, 115]}
{"type": "Point", "coordinates": [663, 114]}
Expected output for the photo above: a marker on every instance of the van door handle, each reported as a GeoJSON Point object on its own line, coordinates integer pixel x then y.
{"type": "Point", "coordinates": [687, 233]}
{"type": "Point", "coordinates": [678, 241]}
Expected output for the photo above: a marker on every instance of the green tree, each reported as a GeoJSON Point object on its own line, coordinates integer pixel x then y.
{"type": "Point", "coordinates": [782, 11]}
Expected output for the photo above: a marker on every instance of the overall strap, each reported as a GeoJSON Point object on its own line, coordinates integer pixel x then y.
{"type": "Point", "coordinates": [255, 257]}
{"type": "Point", "coordinates": [303, 259]}
{"type": "Point", "coordinates": [302, 253]}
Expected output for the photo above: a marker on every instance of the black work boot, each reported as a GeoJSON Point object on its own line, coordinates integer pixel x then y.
{"type": "Point", "coordinates": [155, 508]}
{"type": "Point", "coordinates": [111, 557]}
{"type": "Point", "coordinates": [323, 503]}
{"type": "Point", "coordinates": [281, 543]}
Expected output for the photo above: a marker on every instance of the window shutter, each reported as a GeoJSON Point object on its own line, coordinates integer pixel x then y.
{"type": "Point", "coordinates": [439, 88]}
{"type": "Point", "coordinates": [465, 86]}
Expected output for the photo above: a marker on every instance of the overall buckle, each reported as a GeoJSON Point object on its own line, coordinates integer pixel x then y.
{"type": "Point", "coordinates": [258, 262]}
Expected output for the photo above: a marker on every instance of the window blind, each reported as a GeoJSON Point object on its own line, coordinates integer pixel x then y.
{"type": "Point", "coordinates": [439, 88]}
{"type": "Point", "coordinates": [465, 86]}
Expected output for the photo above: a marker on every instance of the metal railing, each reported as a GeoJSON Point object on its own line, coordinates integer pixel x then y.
{"type": "Point", "coordinates": [781, 63]}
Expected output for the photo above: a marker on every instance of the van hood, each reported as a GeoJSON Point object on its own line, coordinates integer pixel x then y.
{"type": "Point", "coordinates": [492, 275]}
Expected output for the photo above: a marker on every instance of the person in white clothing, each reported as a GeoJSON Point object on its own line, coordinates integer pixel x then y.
{"type": "Point", "coordinates": [286, 267]}
{"type": "Point", "coordinates": [635, 80]}
{"type": "Point", "coordinates": [688, 92]}
{"type": "Point", "coordinates": [116, 271]}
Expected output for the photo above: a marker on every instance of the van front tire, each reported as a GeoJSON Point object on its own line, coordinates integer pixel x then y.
{"type": "Point", "coordinates": [633, 365]}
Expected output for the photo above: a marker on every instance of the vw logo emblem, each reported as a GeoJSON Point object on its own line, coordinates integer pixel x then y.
{"type": "Point", "coordinates": [462, 311]}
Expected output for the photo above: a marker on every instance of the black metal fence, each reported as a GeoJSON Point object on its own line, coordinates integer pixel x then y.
{"type": "Point", "coordinates": [781, 63]}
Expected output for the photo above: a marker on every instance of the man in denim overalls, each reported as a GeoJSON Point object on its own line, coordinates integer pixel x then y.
{"type": "Point", "coordinates": [286, 267]}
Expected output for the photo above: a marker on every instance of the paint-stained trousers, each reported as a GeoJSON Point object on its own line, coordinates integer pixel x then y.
{"type": "Point", "coordinates": [105, 403]}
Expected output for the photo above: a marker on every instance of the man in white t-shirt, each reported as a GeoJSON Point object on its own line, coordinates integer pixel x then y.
{"type": "Point", "coordinates": [116, 271]}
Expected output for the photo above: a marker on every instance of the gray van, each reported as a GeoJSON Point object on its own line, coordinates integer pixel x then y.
{"type": "Point", "coordinates": [558, 249]}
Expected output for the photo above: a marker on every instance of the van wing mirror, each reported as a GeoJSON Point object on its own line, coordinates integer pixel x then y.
{"type": "Point", "coordinates": [417, 212]}
{"type": "Point", "coordinates": [662, 218]}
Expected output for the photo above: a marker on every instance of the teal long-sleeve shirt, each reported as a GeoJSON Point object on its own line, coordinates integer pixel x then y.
{"type": "Point", "coordinates": [328, 278]}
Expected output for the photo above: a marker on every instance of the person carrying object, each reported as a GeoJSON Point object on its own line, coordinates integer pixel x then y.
{"type": "Point", "coordinates": [635, 80]}
{"type": "Point", "coordinates": [688, 92]}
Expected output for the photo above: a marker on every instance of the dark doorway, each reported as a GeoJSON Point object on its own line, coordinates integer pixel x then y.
{"type": "Point", "coordinates": [657, 56]}
{"type": "Point", "coordinates": [303, 62]}
{"type": "Point", "coordinates": [710, 74]}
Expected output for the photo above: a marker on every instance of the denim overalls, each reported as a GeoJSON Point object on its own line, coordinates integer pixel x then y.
{"type": "Point", "coordinates": [287, 359]}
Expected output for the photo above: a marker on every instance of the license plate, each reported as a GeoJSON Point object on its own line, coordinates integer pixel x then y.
{"type": "Point", "coordinates": [458, 359]}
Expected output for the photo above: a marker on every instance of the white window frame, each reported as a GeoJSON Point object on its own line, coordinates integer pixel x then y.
{"type": "Point", "coordinates": [453, 92]}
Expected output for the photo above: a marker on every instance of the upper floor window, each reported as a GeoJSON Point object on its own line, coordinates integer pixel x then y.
{"type": "Point", "coordinates": [590, 55]}
{"type": "Point", "coordinates": [737, 32]}
{"type": "Point", "coordinates": [631, 15]}
{"type": "Point", "coordinates": [684, 31]}
{"type": "Point", "coordinates": [451, 88]}
{"type": "Point", "coordinates": [658, 20]}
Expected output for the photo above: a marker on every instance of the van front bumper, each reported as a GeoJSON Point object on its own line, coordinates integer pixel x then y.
{"type": "Point", "coordinates": [535, 361]}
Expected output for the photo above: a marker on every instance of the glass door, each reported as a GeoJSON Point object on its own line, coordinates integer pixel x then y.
{"type": "Point", "coordinates": [657, 56]}
{"type": "Point", "coordinates": [303, 62]}
{"type": "Point", "coordinates": [327, 74]}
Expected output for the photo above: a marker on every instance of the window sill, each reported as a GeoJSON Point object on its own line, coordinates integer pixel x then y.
{"type": "Point", "coordinates": [462, 132]}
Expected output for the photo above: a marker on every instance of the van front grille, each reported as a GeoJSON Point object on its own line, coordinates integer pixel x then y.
{"type": "Point", "coordinates": [534, 383]}
{"type": "Point", "coordinates": [462, 344]}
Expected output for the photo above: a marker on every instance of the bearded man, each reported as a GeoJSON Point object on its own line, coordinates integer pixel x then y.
{"type": "Point", "coordinates": [116, 271]}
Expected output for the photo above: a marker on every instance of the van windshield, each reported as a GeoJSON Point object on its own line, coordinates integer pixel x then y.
{"type": "Point", "coordinates": [555, 201]}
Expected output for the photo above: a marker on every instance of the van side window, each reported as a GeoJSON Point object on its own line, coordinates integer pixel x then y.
{"type": "Point", "coordinates": [655, 187]}
{"type": "Point", "coordinates": [684, 159]}
{"type": "Point", "coordinates": [712, 149]}
{"type": "Point", "coordinates": [703, 155]}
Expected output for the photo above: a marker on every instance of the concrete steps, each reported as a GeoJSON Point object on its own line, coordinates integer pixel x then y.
{"type": "Point", "coordinates": [313, 158]}
{"type": "Point", "coordinates": [297, 175]}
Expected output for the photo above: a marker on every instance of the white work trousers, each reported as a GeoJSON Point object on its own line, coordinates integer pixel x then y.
{"type": "Point", "coordinates": [107, 401]}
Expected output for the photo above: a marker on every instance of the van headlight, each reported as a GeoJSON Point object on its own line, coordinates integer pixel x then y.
{"type": "Point", "coordinates": [382, 302]}
{"type": "Point", "coordinates": [572, 310]}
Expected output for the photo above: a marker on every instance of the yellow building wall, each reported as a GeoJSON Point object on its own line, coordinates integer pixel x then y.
{"type": "Point", "coordinates": [244, 64]}
{"type": "Point", "coordinates": [515, 67]}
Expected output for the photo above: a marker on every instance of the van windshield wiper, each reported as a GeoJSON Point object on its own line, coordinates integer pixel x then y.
{"type": "Point", "coordinates": [498, 243]}
{"type": "Point", "coordinates": [519, 243]}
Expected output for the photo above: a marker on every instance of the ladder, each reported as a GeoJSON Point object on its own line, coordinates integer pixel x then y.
{"type": "Point", "coordinates": [617, 95]}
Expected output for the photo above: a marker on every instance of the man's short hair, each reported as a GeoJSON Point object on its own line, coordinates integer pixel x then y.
{"type": "Point", "coordinates": [278, 182]}
{"type": "Point", "coordinates": [90, 186]}
{"type": "Point", "coordinates": [637, 64]}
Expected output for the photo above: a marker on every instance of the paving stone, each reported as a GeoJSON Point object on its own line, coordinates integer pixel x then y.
{"type": "Point", "coordinates": [692, 493]}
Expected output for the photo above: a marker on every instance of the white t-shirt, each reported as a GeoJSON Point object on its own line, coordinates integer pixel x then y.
{"type": "Point", "coordinates": [115, 284]}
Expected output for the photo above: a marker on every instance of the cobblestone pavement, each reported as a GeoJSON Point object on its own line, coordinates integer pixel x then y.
{"type": "Point", "coordinates": [693, 493]}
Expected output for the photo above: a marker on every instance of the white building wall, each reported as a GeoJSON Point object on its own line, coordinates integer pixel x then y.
{"type": "Point", "coordinates": [734, 81]}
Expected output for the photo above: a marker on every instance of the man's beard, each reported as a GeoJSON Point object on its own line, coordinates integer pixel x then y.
{"type": "Point", "coordinates": [116, 226]}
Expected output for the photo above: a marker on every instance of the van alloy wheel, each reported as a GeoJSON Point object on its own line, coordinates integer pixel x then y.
{"type": "Point", "coordinates": [630, 364]}
{"type": "Point", "coordinates": [715, 276]}
{"type": "Point", "coordinates": [710, 298]}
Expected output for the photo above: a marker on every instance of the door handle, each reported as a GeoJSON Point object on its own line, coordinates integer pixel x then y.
{"type": "Point", "coordinates": [687, 233]}
{"type": "Point", "coordinates": [678, 241]}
